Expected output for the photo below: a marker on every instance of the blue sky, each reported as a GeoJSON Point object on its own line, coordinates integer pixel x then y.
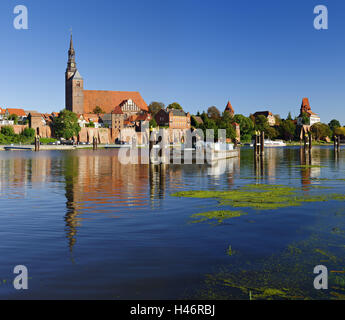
{"type": "Point", "coordinates": [260, 55]}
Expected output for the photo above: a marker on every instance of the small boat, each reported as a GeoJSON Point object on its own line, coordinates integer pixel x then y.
{"type": "Point", "coordinates": [249, 145]}
{"type": "Point", "coordinates": [275, 143]}
{"type": "Point", "coordinates": [117, 146]}
{"type": "Point", "coordinates": [17, 148]}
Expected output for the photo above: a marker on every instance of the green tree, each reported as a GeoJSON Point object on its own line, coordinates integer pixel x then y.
{"type": "Point", "coordinates": [287, 129]}
{"type": "Point", "coordinates": [153, 123]}
{"type": "Point", "coordinates": [320, 131]}
{"type": "Point", "coordinates": [305, 119]}
{"type": "Point", "coordinates": [13, 117]}
{"type": "Point", "coordinates": [193, 122]}
{"type": "Point", "coordinates": [246, 126]}
{"type": "Point", "coordinates": [334, 124]}
{"type": "Point", "coordinates": [289, 117]}
{"type": "Point", "coordinates": [98, 110]}
{"type": "Point", "coordinates": [261, 123]}
{"type": "Point", "coordinates": [213, 113]}
{"type": "Point", "coordinates": [339, 131]}
{"type": "Point", "coordinates": [271, 132]}
{"type": "Point", "coordinates": [66, 125]}
{"type": "Point", "coordinates": [7, 131]}
{"type": "Point", "coordinates": [155, 107]}
{"type": "Point", "coordinates": [208, 124]}
{"type": "Point", "coordinates": [28, 133]}
{"type": "Point", "coordinates": [226, 122]}
{"type": "Point", "coordinates": [174, 105]}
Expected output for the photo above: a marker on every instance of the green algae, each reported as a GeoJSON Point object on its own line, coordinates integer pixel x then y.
{"type": "Point", "coordinates": [307, 166]}
{"type": "Point", "coordinates": [338, 231]}
{"type": "Point", "coordinates": [230, 252]}
{"type": "Point", "coordinates": [219, 216]}
{"type": "Point", "coordinates": [283, 276]}
{"type": "Point", "coordinates": [261, 196]}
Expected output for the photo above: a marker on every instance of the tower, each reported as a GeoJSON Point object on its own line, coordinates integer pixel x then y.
{"type": "Point", "coordinates": [74, 84]}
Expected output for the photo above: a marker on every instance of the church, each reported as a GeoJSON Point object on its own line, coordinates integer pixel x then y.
{"type": "Point", "coordinates": [82, 101]}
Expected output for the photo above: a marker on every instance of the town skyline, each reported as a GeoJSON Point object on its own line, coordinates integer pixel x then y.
{"type": "Point", "coordinates": [106, 69]}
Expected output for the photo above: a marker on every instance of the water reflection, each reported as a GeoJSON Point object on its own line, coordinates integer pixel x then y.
{"type": "Point", "coordinates": [96, 182]}
{"type": "Point", "coordinates": [131, 238]}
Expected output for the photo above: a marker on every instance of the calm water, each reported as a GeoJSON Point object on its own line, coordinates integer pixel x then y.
{"type": "Point", "coordinates": [88, 227]}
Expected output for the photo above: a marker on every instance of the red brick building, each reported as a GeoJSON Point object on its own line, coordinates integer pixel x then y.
{"type": "Point", "coordinates": [173, 118]}
{"type": "Point", "coordinates": [83, 101]}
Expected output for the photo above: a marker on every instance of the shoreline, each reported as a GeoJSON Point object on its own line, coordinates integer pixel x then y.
{"type": "Point", "coordinates": [51, 147]}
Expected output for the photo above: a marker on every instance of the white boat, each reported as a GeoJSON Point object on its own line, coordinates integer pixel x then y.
{"type": "Point", "coordinates": [275, 143]}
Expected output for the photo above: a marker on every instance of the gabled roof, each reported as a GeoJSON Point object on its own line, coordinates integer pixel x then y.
{"type": "Point", "coordinates": [198, 119]}
{"type": "Point", "coordinates": [177, 112]}
{"type": "Point", "coordinates": [90, 117]}
{"type": "Point", "coordinates": [117, 110]}
{"type": "Point", "coordinates": [140, 117]}
{"type": "Point", "coordinates": [305, 104]}
{"type": "Point", "coordinates": [77, 76]}
{"type": "Point", "coordinates": [107, 100]}
{"type": "Point", "coordinates": [35, 114]}
{"type": "Point", "coordinates": [305, 108]}
{"type": "Point", "coordinates": [263, 113]}
{"type": "Point", "coordinates": [18, 112]}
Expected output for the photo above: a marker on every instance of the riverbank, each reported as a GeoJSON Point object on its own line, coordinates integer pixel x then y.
{"type": "Point", "coordinates": [51, 147]}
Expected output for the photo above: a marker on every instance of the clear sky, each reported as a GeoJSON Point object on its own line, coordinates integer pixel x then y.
{"type": "Point", "coordinates": [260, 55]}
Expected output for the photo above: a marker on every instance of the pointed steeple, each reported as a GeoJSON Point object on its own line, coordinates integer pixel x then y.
{"type": "Point", "coordinates": [71, 44]}
{"type": "Point", "coordinates": [71, 64]}
{"type": "Point", "coordinates": [229, 108]}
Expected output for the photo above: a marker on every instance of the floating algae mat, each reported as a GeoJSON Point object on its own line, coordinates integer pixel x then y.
{"type": "Point", "coordinates": [260, 196]}
{"type": "Point", "coordinates": [308, 166]}
{"type": "Point", "coordinates": [283, 276]}
{"type": "Point", "coordinates": [220, 216]}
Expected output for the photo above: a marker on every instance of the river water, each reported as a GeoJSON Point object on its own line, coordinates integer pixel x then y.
{"type": "Point", "coordinates": [87, 227]}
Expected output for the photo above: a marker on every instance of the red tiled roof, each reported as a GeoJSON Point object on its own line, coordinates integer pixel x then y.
{"type": "Point", "coordinates": [128, 123]}
{"type": "Point", "coordinates": [305, 107]}
{"type": "Point", "coordinates": [91, 117]}
{"type": "Point", "coordinates": [117, 110]}
{"type": "Point", "coordinates": [107, 100]}
{"type": "Point", "coordinates": [305, 104]}
{"type": "Point", "coordinates": [140, 117]}
{"type": "Point", "coordinates": [229, 108]}
{"type": "Point", "coordinates": [18, 112]}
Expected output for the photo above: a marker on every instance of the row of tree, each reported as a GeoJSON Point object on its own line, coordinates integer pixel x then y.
{"type": "Point", "coordinates": [286, 129]}
{"type": "Point", "coordinates": [66, 124]}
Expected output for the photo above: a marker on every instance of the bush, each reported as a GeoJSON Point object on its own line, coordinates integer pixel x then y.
{"type": "Point", "coordinates": [320, 131]}
{"type": "Point", "coordinates": [28, 133]}
{"type": "Point", "coordinates": [7, 131]}
{"type": "Point", "coordinates": [90, 125]}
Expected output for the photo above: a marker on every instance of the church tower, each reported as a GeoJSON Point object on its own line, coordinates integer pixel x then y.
{"type": "Point", "coordinates": [74, 84]}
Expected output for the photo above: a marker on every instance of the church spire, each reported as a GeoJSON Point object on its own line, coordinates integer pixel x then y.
{"type": "Point", "coordinates": [71, 64]}
{"type": "Point", "coordinates": [71, 43]}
